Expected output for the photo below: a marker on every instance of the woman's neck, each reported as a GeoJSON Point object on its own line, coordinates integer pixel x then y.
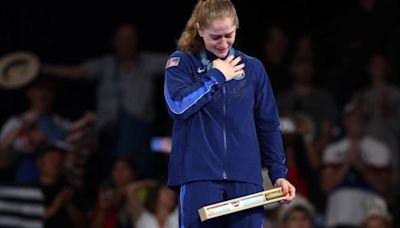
{"type": "Point", "coordinates": [211, 56]}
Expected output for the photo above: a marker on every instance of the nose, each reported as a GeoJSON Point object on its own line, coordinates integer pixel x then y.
{"type": "Point", "coordinates": [223, 44]}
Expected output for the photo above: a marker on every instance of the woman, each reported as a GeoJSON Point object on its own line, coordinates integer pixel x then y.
{"type": "Point", "coordinates": [111, 209]}
{"type": "Point", "coordinates": [160, 208]}
{"type": "Point", "coordinates": [224, 110]}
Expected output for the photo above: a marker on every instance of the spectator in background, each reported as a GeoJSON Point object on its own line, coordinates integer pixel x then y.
{"type": "Point", "coordinates": [305, 97]}
{"type": "Point", "coordinates": [275, 58]}
{"type": "Point", "coordinates": [355, 168]}
{"type": "Point", "coordinates": [299, 214]}
{"type": "Point", "coordinates": [83, 145]}
{"type": "Point", "coordinates": [111, 208]}
{"type": "Point", "coordinates": [15, 161]}
{"type": "Point", "coordinates": [302, 158]}
{"type": "Point", "coordinates": [376, 214]}
{"type": "Point", "coordinates": [304, 47]}
{"type": "Point", "coordinates": [125, 102]}
{"type": "Point", "coordinates": [377, 221]}
{"type": "Point", "coordinates": [381, 102]}
{"type": "Point", "coordinates": [21, 134]}
{"type": "Point", "coordinates": [61, 199]}
{"type": "Point", "coordinates": [160, 209]}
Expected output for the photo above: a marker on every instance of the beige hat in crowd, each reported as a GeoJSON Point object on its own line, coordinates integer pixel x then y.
{"type": "Point", "coordinates": [376, 206]}
{"type": "Point", "coordinates": [18, 69]}
{"type": "Point", "coordinates": [298, 202]}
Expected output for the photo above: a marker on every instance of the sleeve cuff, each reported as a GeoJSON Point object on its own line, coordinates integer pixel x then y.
{"type": "Point", "coordinates": [276, 176]}
{"type": "Point", "coordinates": [217, 75]}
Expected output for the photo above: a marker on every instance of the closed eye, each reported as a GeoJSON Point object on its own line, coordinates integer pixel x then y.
{"type": "Point", "coordinates": [217, 37]}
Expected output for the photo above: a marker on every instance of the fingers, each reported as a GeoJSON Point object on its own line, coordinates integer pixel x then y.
{"type": "Point", "coordinates": [288, 189]}
{"type": "Point", "coordinates": [229, 58]}
{"type": "Point", "coordinates": [285, 189]}
{"type": "Point", "coordinates": [238, 67]}
{"type": "Point", "coordinates": [229, 67]}
{"type": "Point", "coordinates": [284, 184]}
{"type": "Point", "coordinates": [292, 193]}
{"type": "Point", "coordinates": [239, 73]}
{"type": "Point", "coordinates": [239, 70]}
{"type": "Point", "coordinates": [235, 61]}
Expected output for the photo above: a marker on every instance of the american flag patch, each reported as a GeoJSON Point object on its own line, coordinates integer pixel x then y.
{"type": "Point", "coordinates": [174, 61]}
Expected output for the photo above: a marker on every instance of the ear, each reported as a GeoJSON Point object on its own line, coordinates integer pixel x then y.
{"type": "Point", "coordinates": [199, 30]}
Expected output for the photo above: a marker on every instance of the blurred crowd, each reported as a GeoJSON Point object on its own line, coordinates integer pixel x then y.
{"type": "Point", "coordinates": [338, 96]}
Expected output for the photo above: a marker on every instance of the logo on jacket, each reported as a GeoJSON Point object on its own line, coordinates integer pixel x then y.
{"type": "Point", "coordinates": [201, 70]}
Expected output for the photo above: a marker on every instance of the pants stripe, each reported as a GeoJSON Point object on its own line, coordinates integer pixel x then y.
{"type": "Point", "coordinates": [181, 198]}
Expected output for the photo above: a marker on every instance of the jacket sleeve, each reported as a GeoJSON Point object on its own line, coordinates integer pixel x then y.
{"type": "Point", "coordinates": [185, 96]}
{"type": "Point", "coordinates": [268, 131]}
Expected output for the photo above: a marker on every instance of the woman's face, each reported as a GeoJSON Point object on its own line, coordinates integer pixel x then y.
{"type": "Point", "coordinates": [126, 41]}
{"type": "Point", "coordinates": [41, 99]}
{"type": "Point", "coordinates": [298, 219]}
{"type": "Point", "coordinates": [122, 174]}
{"type": "Point", "coordinates": [219, 36]}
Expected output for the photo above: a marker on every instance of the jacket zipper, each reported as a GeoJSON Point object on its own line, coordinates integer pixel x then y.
{"type": "Point", "coordinates": [224, 133]}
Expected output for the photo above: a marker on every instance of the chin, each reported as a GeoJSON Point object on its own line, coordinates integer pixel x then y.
{"type": "Point", "coordinates": [221, 54]}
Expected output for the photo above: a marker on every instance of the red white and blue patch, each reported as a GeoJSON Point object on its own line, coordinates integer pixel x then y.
{"type": "Point", "coordinates": [173, 61]}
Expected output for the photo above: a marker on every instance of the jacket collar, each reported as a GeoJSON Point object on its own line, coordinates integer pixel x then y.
{"type": "Point", "coordinates": [206, 57]}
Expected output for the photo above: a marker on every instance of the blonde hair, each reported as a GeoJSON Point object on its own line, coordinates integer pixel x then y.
{"type": "Point", "coordinates": [204, 13]}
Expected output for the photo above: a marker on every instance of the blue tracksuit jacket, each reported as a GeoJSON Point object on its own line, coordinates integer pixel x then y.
{"type": "Point", "coordinates": [220, 127]}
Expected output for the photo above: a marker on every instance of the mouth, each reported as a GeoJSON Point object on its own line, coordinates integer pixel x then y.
{"type": "Point", "coordinates": [222, 52]}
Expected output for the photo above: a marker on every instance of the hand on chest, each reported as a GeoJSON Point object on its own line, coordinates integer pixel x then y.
{"type": "Point", "coordinates": [239, 87]}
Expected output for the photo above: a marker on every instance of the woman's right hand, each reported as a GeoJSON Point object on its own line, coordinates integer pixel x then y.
{"type": "Point", "coordinates": [229, 67]}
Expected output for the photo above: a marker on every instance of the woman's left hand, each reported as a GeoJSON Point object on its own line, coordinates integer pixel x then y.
{"type": "Point", "coordinates": [288, 189]}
